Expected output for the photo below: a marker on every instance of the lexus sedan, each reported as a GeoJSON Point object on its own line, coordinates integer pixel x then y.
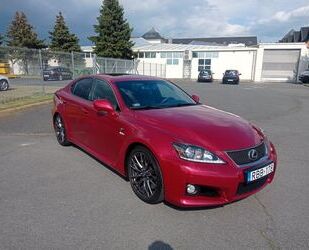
{"type": "Point", "coordinates": [205, 75]}
{"type": "Point", "coordinates": [163, 140]}
{"type": "Point", "coordinates": [4, 83]}
{"type": "Point", "coordinates": [231, 77]}
{"type": "Point", "coordinates": [57, 73]}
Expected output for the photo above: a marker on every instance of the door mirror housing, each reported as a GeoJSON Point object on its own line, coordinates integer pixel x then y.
{"type": "Point", "coordinates": [103, 105]}
{"type": "Point", "coordinates": [196, 98]}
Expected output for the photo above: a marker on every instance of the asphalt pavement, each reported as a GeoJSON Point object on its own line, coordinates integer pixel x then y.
{"type": "Point", "coordinates": [62, 198]}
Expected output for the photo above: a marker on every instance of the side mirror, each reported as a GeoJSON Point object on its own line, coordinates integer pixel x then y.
{"type": "Point", "coordinates": [103, 105]}
{"type": "Point", "coordinates": [196, 98]}
{"type": "Point", "coordinates": [239, 74]}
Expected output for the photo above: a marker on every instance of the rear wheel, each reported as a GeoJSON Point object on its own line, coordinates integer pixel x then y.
{"type": "Point", "coordinates": [4, 85]}
{"type": "Point", "coordinates": [60, 131]}
{"type": "Point", "coordinates": [145, 176]}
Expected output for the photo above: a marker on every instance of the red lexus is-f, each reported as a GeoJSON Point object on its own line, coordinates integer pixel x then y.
{"type": "Point", "coordinates": [164, 141]}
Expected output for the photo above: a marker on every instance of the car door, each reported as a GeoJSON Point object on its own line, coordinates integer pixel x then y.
{"type": "Point", "coordinates": [77, 109]}
{"type": "Point", "coordinates": [107, 130]}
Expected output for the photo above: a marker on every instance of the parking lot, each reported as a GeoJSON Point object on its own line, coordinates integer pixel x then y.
{"type": "Point", "coordinates": [56, 197]}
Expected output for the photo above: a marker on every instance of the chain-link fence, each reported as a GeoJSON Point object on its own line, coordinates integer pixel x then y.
{"type": "Point", "coordinates": [34, 72]}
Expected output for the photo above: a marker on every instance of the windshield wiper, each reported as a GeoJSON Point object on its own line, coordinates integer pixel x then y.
{"type": "Point", "coordinates": [146, 107]}
{"type": "Point", "coordinates": [184, 104]}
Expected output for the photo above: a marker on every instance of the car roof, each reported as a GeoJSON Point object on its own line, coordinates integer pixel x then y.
{"type": "Point", "coordinates": [124, 77]}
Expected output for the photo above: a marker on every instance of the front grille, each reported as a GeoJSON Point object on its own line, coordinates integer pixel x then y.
{"type": "Point", "coordinates": [246, 188]}
{"type": "Point", "coordinates": [242, 156]}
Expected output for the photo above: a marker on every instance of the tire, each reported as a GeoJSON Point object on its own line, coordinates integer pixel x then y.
{"type": "Point", "coordinates": [4, 85]}
{"type": "Point", "coordinates": [60, 131]}
{"type": "Point", "coordinates": [145, 176]}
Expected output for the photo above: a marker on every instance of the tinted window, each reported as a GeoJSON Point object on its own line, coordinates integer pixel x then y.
{"type": "Point", "coordinates": [82, 88]}
{"type": "Point", "coordinates": [151, 94]}
{"type": "Point", "coordinates": [103, 91]}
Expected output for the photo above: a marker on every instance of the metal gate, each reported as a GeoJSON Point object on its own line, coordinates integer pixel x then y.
{"type": "Point", "coordinates": [280, 64]}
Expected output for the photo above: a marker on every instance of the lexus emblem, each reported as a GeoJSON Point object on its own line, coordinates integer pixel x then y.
{"type": "Point", "coordinates": [253, 154]}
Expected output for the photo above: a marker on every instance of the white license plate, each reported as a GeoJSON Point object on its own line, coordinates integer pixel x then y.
{"type": "Point", "coordinates": [261, 172]}
{"type": "Point", "coordinates": [229, 80]}
{"type": "Point", "coordinates": [46, 75]}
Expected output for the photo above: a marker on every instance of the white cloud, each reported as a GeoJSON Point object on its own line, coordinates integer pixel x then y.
{"type": "Point", "coordinates": [285, 16]}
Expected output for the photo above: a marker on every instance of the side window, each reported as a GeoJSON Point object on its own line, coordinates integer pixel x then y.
{"type": "Point", "coordinates": [82, 88]}
{"type": "Point", "coordinates": [103, 91]}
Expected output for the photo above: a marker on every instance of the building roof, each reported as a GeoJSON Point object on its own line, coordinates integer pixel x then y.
{"type": "Point", "coordinates": [296, 36]}
{"type": "Point", "coordinates": [304, 33]}
{"type": "Point", "coordinates": [247, 40]}
{"type": "Point", "coordinates": [139, 41]}
{"type": "Point", "coordinates": [152, 34]}
{"type": "Point", "coordinates": [184, 47]}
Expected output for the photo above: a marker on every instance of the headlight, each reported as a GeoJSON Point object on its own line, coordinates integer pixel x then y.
{"type": "Point", "coordinates": [197, 154]}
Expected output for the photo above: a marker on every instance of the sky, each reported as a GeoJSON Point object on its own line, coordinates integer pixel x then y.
{"type": "Point", "coordinates": [269, 20]}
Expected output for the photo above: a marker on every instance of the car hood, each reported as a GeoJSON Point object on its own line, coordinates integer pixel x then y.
{"type": "Point", "coordinates": [203, 126]}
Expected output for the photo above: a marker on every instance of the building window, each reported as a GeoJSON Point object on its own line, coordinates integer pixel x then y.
{"type": "Point", "coordinates": [172, 58]}
{"type": "Point", "coordinates": [150, 54]}
{"type": "Point", "coordinates": [172, 61]}
{"type": "Point", "coordinates": [205, 54]}
{"type": "Point", "coordinates": [88, 55]}
{"type": "Point", "coordinates": [204, 64]}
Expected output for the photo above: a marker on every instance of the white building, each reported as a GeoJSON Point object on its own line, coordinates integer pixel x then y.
{"type": "Point", "coordinates": [264, 62]}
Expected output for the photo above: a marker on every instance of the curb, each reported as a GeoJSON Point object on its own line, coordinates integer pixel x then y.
{"type": "Point", "coordinates": [3, 112]}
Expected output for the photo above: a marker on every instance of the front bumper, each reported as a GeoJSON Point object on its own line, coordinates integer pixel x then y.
{"type": "Point", "coordinates": [220, 184]}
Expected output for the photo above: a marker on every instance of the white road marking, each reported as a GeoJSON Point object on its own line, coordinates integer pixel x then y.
{"type": "Point", "coordinates": [26, 144]}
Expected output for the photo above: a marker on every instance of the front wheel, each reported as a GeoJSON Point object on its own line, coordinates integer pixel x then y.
{"type": "Point", "coordinates": [60, 131]}
{"type": "Point", "coordinates": [145, 175]}
{"type": "Point", "coordinates": [4, 85]}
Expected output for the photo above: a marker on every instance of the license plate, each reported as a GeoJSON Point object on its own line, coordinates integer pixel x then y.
{"type": "Point", "coordinates": [229, 80]}
{"type": "Point", "coordinates": [46, 75]}
{"type": "Point", "coordinates": [261, 172]}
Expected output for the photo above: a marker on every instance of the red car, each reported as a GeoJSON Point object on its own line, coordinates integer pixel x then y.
{"type": "Point", "coordinates": [168, 145]}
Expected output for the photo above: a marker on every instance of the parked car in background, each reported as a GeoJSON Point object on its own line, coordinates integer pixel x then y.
{"type": "Point", "coordinates": [169, 145]}
{"type": "Point", "coordinates": [4, 83]}
{"type": "Point", "coordinates": [304, 77]}
{"type": "Point", "coordinates": [231, 76]}
{"type": "Point", "coordinates": [205, 75]}
{"type": "Point", "coordinates": [57, 73]}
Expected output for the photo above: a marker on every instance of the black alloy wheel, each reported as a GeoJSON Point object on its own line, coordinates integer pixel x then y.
{"type": "Point", "coordinates": [145, 176]}
{"type": "Point", "coordinates": [4, 85]}
{"type": "Point", "coordinates": [60, 131]}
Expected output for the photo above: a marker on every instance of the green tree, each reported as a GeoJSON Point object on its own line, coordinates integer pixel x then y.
{"type": "Point", "coordinates": [22, 38]}
{"type": "Point", "coordinates": [22, 34]}
{"type": "Point", "coordinates": [113, 32]}
{"type": "Point", "coordinates": [1, 39]}
{"type": "Point", "coordinates": [62, 40]}
{"type": "Point", "coordinates": [61, 37]}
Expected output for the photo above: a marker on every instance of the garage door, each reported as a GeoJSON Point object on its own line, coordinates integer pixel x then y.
{"type": "Point", "coordinates": [280, 64]}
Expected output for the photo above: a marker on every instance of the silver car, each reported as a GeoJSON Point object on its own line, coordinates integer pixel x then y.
{"type": "Point", "coordinates": [4, 83]}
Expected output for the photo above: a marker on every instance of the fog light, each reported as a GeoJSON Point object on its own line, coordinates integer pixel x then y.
{"type": "Point", "coordinates": [191, 189]}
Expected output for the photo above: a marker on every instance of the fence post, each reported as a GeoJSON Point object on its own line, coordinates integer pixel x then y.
{"type": "Point", "coordinates": [150, 69]}
{"type": "Point", "coordinates": [41, 71]}
{"type": "Point", "coordinates": [143, 67]}
{"type": "Point", "coordinates": [105, 66]}
{"type": "Point", "coordinates": [156, 69]}
{"type": "Point", "coordinates": [94, 63]}
{"type": "Point", "coordinates": [73, 66]}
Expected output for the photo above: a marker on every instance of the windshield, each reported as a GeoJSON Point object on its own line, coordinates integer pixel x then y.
{"type": "Point", "coordinates": [153, 94]}
{"type": "Point", "coordinates": [205, 72]}
{"type": "Point", "coordinates": [231, 72]}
